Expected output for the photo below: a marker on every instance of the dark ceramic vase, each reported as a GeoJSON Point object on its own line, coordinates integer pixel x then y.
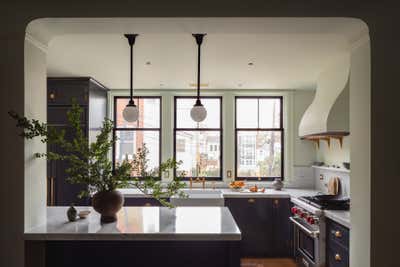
{"type": "Point", "coordinates": [108, 203]}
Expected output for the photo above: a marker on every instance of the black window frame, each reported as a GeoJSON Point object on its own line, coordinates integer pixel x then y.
{"type": "Point", "coordinates": [280, 129]}
{"type": "Point", "coordinates": [115, 129]}
{"type": "Point", "coordinates": [220, 130]}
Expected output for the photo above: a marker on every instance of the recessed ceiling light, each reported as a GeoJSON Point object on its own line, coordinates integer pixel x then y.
{"type": "Point", "coordinates": [250, 64]}
{"type": "Point", "coordinates": [148, 63]}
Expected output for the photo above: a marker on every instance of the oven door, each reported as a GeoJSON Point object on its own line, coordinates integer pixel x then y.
{"type": "Point", "coordinates": [307, 243]}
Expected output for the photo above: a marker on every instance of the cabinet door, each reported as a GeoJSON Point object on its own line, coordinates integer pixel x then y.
{"type": "Point", "coordinates": [64, 193]}
{"type": "Point", "coordinates": [254, 218]}
{"type": "Point", "coordinates": [282, 230]}
{"type": "Point", "coordinates": [61, 91]}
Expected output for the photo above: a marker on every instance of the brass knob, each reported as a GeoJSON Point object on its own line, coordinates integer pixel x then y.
{"type": "Point", "coordinates": [52, 95]}
{"type": "Point", "coordinates": [251, 200]}
{"type": "Point", "coordinates": [276, 202]}
{"type": "Point", "coordinates": [337, 257]}
{"type": "Point", "coordinates": [338, 234]}
{"type": "Point", "coordinates": [148, 204]}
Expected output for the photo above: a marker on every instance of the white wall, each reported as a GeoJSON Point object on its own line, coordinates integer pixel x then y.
{"type": "Point", "coordinates": [360, 154]}
{"type": "Point", "coordinates": [35, 107]}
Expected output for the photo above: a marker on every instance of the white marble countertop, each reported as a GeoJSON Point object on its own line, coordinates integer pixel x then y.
{"type": "Point", "coordinates": [339, 216]}
{"type": "Point", "coordinates": [141, 223]}
{"type": "Point", "coordinates": [228, 193]}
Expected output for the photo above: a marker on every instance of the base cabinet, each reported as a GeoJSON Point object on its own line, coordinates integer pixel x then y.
{"type": "Point", "coordinates": [265, 227]}
{"type": "Point", "coordinates": [337, 244]}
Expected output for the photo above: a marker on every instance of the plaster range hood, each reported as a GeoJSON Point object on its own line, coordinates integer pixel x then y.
{"type": "Point", "coordinates": [328, 115]}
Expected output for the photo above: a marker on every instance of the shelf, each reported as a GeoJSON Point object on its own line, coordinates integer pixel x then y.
{"type": "Point", "coordinates": [326, 136]}
{"type": "Point", "coordinates": [331, 169]}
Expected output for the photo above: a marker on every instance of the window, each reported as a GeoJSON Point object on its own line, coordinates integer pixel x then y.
{"type": "Point", "coordinates": [259, 138]}
{"type": "Point", "coordinates": [132, 135]}
{"type": "Point", "coordinates": [199, 145]}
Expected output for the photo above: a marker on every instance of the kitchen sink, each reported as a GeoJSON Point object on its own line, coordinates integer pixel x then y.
{"type": "Point", "coordinates": [199, 197]}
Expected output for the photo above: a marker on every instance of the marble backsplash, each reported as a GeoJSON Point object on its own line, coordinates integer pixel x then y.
{"type": "Point", "coordinates": [322, 177]}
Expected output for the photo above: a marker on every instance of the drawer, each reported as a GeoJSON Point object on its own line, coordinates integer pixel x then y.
{"type": "Point", "coordinates": [337, 256]}
{"type": "Point", "coordinates": [338, 233]}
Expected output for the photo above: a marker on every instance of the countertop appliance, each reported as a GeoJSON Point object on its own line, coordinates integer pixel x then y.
{"type": "Point", "coordinates": [309, 227]}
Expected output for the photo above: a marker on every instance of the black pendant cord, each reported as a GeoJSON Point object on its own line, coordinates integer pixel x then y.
{"type": "Point", "coordinates": [198, 72]}
{"type": "Point", "coordinates": [131, 82]}
{"type": "Point", "coordinates": [131, 39]}
{"type": "Point", "coordinates": [199, 40]}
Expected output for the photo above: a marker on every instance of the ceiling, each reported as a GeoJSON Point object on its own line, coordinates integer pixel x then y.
{"type": "Point", "coordinates": [236, 53]}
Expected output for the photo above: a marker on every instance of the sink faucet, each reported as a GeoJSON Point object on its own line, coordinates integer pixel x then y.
{"type": "Point", "coordinates": [197, 180]}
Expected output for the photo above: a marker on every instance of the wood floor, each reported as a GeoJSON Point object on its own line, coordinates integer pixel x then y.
{"type": "Point", "coordinates": [249, 262]}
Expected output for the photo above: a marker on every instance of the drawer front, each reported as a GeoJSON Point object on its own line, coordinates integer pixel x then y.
{"type": "Point", "coordinates": [142, 202]}
{"type": "Point", "coordinates": [337, 256]}
{"type": "Point", "coordinates": [338, 233]}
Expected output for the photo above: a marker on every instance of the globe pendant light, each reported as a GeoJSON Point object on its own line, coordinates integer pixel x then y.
{"type": "Point", "coordinates": [131, 111]}
{"type": "Point", "coordinates": [198, 112]}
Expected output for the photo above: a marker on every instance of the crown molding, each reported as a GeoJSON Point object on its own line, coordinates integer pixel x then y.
{"type": "Point", "coordinates": [30, 38]}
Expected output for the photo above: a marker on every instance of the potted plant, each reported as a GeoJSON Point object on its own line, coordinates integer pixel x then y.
{"type": "Point", "coordinates": [90, 164]}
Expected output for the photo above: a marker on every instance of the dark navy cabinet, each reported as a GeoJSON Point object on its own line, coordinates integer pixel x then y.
{"type": "Point", "coordinates": [264, 223]}
{"type": "Point", "coordinates": [337, 244]}
{"type": "Point", "coordinates": [141, 201]}
{"type": "Point", "coordinates": [92, 97]}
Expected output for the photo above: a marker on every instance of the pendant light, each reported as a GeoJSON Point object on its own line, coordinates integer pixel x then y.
{"type": "Point", "coordinates": [198, 112]}
{"type": "Point", "coordinates": [131, 111]}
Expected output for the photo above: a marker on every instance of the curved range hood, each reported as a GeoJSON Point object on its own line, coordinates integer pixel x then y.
{"type": "Point", "coordinates": [326, 117]}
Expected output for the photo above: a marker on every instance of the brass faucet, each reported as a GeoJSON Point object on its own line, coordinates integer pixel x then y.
{"type": "Point", "coordinates": [197, 180]}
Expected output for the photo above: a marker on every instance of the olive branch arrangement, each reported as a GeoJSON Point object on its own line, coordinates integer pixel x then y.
{"type": "Point", "coordinates": [89, 164]}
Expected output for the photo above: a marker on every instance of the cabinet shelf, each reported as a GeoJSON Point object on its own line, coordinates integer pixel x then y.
{"type": "Point", "coordinates": [326, 136]}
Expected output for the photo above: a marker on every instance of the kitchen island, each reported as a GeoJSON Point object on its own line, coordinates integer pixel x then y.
{"type": "Point", "coordinates": [142, 236]}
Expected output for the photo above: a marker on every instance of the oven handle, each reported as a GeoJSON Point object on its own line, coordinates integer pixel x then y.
{"type": "Point", "coordinates": [313, 234]}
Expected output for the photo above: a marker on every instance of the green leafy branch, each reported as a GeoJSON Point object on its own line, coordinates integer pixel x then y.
{"type": "Point", "coordinates": [89, 164]}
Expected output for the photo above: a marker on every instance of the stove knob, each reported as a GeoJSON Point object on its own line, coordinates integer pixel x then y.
{"type": "Point", "coordinates": [294, 210]}
{"type": "Point", "coordinates": [310, 220]}
{"type": "Point", "coordinates": [304, 215]}
{"type": "Point", "coordinates": [299, 212]}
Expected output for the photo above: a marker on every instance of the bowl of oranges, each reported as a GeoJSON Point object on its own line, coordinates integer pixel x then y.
{"type": "Point", "coordinates": [236, 185]}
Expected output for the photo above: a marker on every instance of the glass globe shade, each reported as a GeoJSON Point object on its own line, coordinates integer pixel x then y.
{"type": "Point", "coordinates": [130, 113]}
{"type": "Point", "coordinates": [198, 113]}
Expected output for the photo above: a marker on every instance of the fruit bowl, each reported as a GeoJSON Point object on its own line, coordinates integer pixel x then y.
{"type": "Point", "coordinates": [236, 185]}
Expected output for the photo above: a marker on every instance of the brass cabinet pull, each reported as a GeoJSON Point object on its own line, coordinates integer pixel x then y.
{"type": "Point", "coordinates": [147, 204]}
{"type": "Point", "coordinates": [337, 257]}
{"type": "Point", "coordinates": [52, 95]}
{"type": "Point", "coordinates": [51, 202]}
{"type": "Point", "coordinates": [276, 202]}
{"type": "Point", "coordinates": [251, 200]}
{"type": "Point", "coordinates": [338, 234]}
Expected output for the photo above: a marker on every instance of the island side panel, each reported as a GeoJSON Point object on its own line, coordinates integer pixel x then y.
{"type": "Point", "coordinates": [143, 253]}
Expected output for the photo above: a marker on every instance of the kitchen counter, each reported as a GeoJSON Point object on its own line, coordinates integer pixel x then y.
{"type": "Point", "coordinates": [228, 193]}
{"type": "Point", "coordinates": [141, 223]}
{"type": "Point", "coordinates": [339, 216]}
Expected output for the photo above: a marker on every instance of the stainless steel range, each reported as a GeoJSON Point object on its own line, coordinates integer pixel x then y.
{"type": "Point", "coordinates": [309, 227]}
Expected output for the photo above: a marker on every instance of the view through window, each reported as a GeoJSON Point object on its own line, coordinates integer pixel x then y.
{"type": "Point", "coordinates": [132, 135]}
{"type": "Point", "coordinates": [259, 138]}
{"type": "Point", "coordinates": [199, 145]}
